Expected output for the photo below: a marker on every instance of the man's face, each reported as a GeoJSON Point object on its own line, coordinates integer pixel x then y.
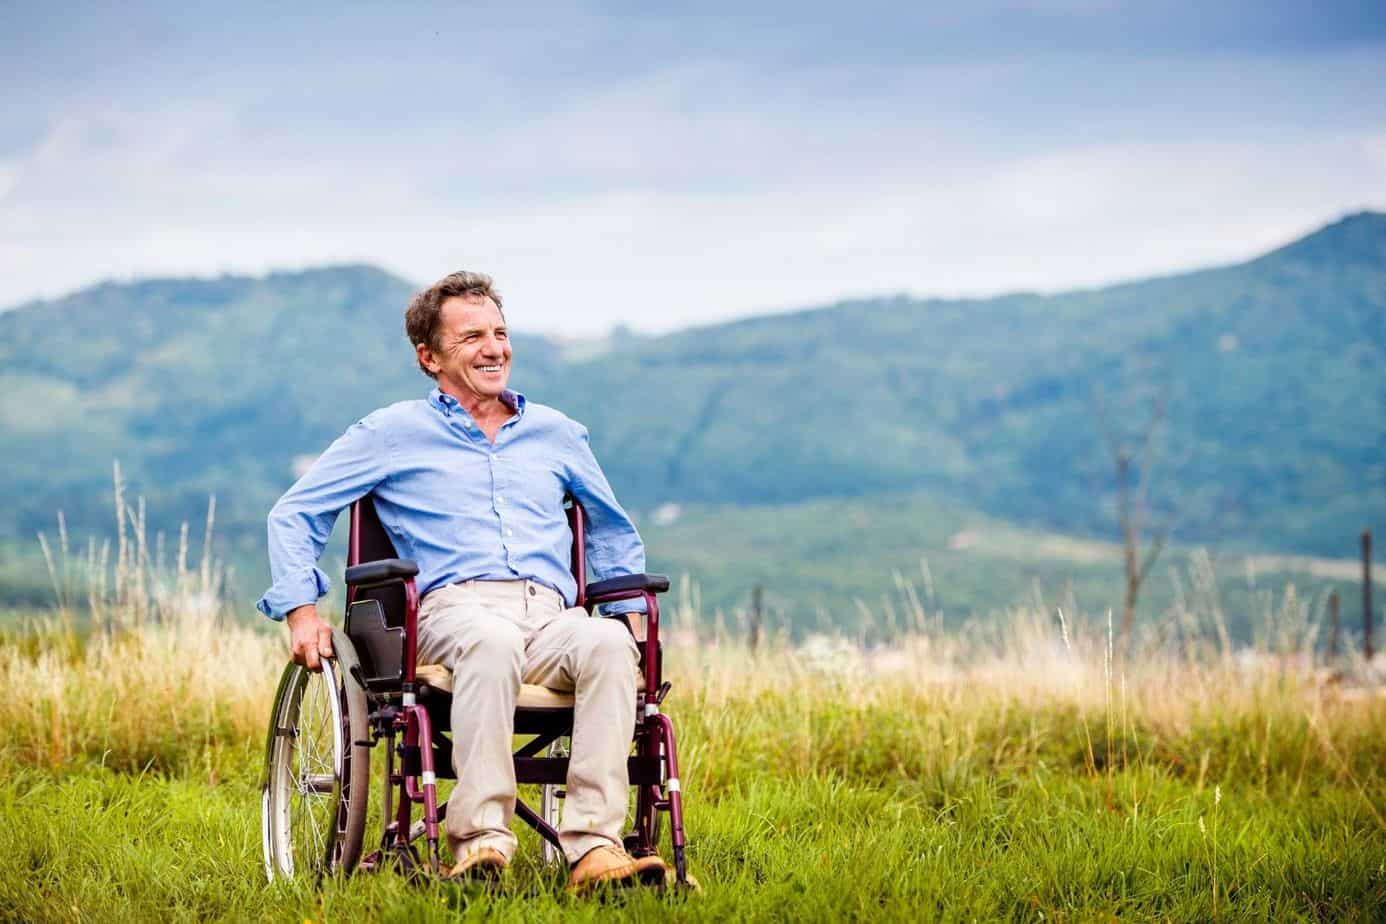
{"type": "Point", "coordinates": [473, 356]}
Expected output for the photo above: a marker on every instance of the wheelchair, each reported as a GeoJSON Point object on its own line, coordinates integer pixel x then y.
{"type": "Point", "coordinates": [371, 694]}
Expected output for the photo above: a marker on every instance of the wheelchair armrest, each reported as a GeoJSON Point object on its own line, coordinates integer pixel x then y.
{"type": "Point", "coordinates": [654, 583]}
{"type": "Point", "coordinates": [377, 572]}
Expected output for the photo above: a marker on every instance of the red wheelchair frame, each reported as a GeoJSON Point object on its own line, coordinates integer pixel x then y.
{"type": "Point", "coordinates": [375, 695]}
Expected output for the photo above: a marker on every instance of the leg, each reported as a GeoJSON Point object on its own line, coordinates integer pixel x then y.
{"type": "Point", "coordinates": [596, 658]}
{"type": "Point", "coordinates": [485, 652]}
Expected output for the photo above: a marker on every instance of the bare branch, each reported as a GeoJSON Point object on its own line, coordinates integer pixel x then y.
{"type": "Point", "coordinates": [1157, 545]}
{"type": "Point", "coordinates": [1104, 427]}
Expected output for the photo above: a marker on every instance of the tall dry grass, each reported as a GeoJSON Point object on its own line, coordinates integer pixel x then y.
{"type": "Point", "coordinates": [155, 673]}
{"type": "Point", "coordinates": [165, 679]}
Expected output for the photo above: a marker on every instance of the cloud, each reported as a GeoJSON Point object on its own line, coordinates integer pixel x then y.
{"type": "Point", "coordinates": [659, 258]}
{"type": "Point", "coordinates": [656, 170]}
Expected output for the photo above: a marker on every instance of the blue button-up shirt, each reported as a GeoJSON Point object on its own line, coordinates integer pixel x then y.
{"type": "Point", "coordinates": [460, 506]}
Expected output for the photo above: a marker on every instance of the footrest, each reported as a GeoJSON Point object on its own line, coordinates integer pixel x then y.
{"type": "Point", "coordinates": [644, 771]}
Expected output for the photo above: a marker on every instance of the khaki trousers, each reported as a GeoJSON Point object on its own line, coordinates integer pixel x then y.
{"type": "Point", "coordinates": [495, 634]}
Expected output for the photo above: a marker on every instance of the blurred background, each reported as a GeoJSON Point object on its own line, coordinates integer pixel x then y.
{"type": "Point", "coordinates": [880, 319]}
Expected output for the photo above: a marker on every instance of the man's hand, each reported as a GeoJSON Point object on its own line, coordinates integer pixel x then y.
{"type": "Point", "coordinates": [310, 639]}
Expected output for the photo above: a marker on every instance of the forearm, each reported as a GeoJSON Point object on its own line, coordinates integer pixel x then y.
{"type": "Point", "coordinates": [614, 547]}
{"type": "Point", "coordinates": [304, 615]}
{"type": "Point", "coordinates": [301, 522]}
{"type": "Point", "coordinates": [295, 540]}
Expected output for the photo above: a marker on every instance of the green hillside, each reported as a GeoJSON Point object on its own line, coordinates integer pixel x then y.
{"type": "Point", "coordinates": [1270, 372]}
{"type": "Point", "coordinates": [868, 564]}
{"type": "Point", "coordinates": [198, 387]}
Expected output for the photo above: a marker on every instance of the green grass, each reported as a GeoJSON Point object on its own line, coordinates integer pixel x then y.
{"type": "Point", "coordinates": [934, 781]}
{"type": "Point", "coordinates": [101, 845]}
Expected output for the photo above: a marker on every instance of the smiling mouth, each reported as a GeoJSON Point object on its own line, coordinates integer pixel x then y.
{"type": "Point", "coordinates": [488, 368]}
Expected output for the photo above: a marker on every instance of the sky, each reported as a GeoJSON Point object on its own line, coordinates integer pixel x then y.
{"type": "Point", "coordinates": [661, 166]}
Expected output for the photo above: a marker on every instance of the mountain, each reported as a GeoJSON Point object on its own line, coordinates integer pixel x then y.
{"type": "Point", "coordinates": [1268, 373]}
{"type": "Point", "coordinates": [198, 387]}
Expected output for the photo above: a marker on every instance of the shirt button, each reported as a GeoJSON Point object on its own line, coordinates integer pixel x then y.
{"type": "Point", "coordinates": [500, 498]}
{"type": "Point", "coordinates": [510, 532]}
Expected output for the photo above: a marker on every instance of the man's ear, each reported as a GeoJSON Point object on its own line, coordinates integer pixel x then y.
{"type": "Point", "coordinates": [426, 358]}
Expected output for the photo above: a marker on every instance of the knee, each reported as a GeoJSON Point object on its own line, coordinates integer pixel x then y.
{"type": "Point", "coordinates": [496, 651]}
{"type": "Point", "coordinates": [609, 641]}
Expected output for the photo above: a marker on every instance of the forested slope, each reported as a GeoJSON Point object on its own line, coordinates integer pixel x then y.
{"type": "Point", "coordinates": [1268, 374]}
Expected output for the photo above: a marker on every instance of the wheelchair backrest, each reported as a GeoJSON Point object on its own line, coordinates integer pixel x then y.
{"type": "Point", "coordinates": [375, 616]}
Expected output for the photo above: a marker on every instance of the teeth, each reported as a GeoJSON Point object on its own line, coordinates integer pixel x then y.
{"type": "Point", "coordinates": [489, 368]}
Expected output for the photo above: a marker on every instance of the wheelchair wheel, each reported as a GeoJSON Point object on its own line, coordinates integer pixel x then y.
{"type": "Point", "coordinates": [313, 802]}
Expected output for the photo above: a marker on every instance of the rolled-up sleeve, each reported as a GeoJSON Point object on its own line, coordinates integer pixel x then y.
{"type": "Point", "coordinates": [614, 546]}
{"type": "Point", "coordinates": [301, 522]}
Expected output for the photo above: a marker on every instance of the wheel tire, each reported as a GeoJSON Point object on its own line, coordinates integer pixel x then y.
{"type": "Point", "coordinates": [315, 791]}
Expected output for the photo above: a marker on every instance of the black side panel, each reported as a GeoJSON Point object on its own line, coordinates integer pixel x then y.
{"type": "Point", "coordinates": [375, 620]}
{"type": "Point", "coordinates": [379, 645]}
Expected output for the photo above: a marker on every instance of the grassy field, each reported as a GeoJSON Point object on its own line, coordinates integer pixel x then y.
{"type": "Point", "coordinates": [867, 568]}
{"type": "Point", "coordinates": [1020, 774]}
{"type": "Point", "coordinates": [848, 563]}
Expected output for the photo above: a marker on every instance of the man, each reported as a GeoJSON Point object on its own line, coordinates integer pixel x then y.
{"type": "Point", "coordinates": [469, 483]}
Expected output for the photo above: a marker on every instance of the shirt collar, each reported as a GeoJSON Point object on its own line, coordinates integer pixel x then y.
{"type": "Point", "coordinates": [447, 403]}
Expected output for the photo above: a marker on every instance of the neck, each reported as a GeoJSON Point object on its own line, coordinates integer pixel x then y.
{"type": "Point", "coordinates": [481, 407]}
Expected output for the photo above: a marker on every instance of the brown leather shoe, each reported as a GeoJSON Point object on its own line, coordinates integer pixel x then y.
{"type": "Point", "coordinates": [651, 870]}
{"type": "Point", "coordinates": [484, 865]}
{"type": "Point", "coordinates": [605, 864]}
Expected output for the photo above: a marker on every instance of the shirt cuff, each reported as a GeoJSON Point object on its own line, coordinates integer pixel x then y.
{"type": "Point", "coordinates": [622, 606]}
{"type": "Point", "coordinates": [292, 591]}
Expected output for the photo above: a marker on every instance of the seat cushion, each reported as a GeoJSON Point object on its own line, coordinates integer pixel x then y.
{"type": "Point", "coordinates": [531, 696]}
{"type": "Point", "coordinates": [536, 697]}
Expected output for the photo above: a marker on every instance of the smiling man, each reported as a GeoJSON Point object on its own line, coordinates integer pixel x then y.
{"type": "Point", "coordinates": [470, 484]}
